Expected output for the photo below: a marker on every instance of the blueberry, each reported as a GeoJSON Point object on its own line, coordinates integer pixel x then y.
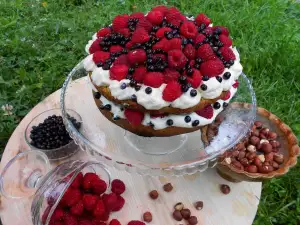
{"type": "Point", "coordinates": [137, 87]}
{"type": "Point", "coordinates": [131, 70]}
{"type": "Point", "coordinates": [184, 88]}
{"type": "Point", "coordinates": [231, 62]}
{"type": "Point", "coordinates": [169, 122]}
{"type": "Point", "coordinates": [123, 86]}
{"type": "Point", "coordinates": [116, 118]}
{"type": "Point", "coordinates": [193, 93]}
{"type": "Point", "coordinates": [124, 51]}
{"type": "Point", "coordinates": [184, 41]}
{"type": "Point", "coordinates": [182, 79]}
{"type": "Point", "coordinates": [225, 104]}
{"type": "Point", "coordinates": [219, 79]}
{"type": "Point", "coordinates": [132, 83]}
{"type": "Point", "coordinates": [198, 60]}
{"type": "Point", "coordinates": [190, 72]}
{"type": "Point", "coordinates": [197, 66]}
{"type": "Point", "coordinates": [227, 75]}
{"type": "Point", "coordinates": [217, 105]}
{"type": "Point", "coordinates": [107, 107]}
{"type": "Point", "coordinates": [106, 67]}
{"type": "Point", "coordinates": [205, 78]}
{"type": "Point", "coordinates": [203, 87]}
{"type": "Point", "coordinates": [150, 68]}
{"type": "Point", "coordinates": [99, 64]}
{"type": "Point", "coordinates": [217, 31]}
{"type": "Point", "coordinates": [187, 119]}
{"type": "Point", "coordinates": [227, 65]}
{"type": "Point", "coordinates": [133, 98]}
{"type": "Point", "coordinates": [148, 90]}
{"type": "Point", "coordinates": [169, 36]}
{"type": "Point", "coordinates": [97, 95]}
{"type": "Point", "coordinates": [195, 123]}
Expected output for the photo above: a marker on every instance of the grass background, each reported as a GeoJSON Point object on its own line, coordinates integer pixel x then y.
{"type": "Point", "coordinates": [40, 42]}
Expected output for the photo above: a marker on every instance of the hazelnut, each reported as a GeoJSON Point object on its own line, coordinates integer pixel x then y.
{"type": "Point", "coordinates": [251, 169]}
{"type": "Point", "coordinates": [262, 136]}
{"type": "Point", "coordinates": [153, 194]}
{"type": "Point", "coordinates": [275, 150]}
{"type": "Point", "coordinates": [147, 217]}
{"type": "Point", "coordinates": [227, 160]}
{"type": "Point", "coordinates": [168, 187]}
{"type": "Point", "coordinates": [272, 135]}
{"type": "Point", "coordinates": [258, 124]}
{"type": "Point", "coordinates": [250, 155]}
{"type": "Point", "coordinates": [275, 144]}
{"type": "Point", "coordinates": [275, 165]}
{"type": "Point", "coordinates": [177, 215]}
{"type": "Point", "coordinates": [264, 131]}
{"type": "Point", "coordinates": [244, 161]}
{"type": "Point", "coordinates": [178, 206]}
{"type": "Point", "coordinates": [266, 147]}
{"type": "Point", "coordinates": [225, 189]}
{"type": "Point", "coordinates": [241, 155]}
{"type": "Point", "coordinates": [240, 147]}
{"type": "Point", "coordinates": [251, 148]}
{"type": "Point", "coordinates": [193, 220]}
{"type": "Point", "coordinates": [278, 158]}
{"type": "Point", "coordinates": [265, 168]}
{"type": "Point", "coordinates": [198, 205]}
{"type": "Point", "coordinates": [258, 146]}
{"type": "Point", "coordinates": [263, 141]}
{"type": "Point", "coordinates": [261, 158]}
{"type": "Point", "coordinates": [235, 153]}
{"type": "Point", "coordinates": [254, 140]}
{"type": "Point", "coordinates": [269, 157]}
{"type": "Point", "coordinates": [237, 165]}
{"type": "Point", "coordinates": [186, 213]}
{"type": "Point", "coordinates": [255, 133]}
{"type": "Point", "coordinates": [257, 162]}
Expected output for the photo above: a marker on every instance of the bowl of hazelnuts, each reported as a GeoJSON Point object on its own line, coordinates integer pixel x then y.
{"type": "Point", "coordinates": [268, 151]}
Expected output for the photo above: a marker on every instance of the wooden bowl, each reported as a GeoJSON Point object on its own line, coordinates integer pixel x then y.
{"type": "Point", "coordinates": [289, 148]}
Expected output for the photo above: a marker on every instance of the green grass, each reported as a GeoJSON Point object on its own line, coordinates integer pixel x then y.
{"type": "Point", "coordinates": [39, 45]}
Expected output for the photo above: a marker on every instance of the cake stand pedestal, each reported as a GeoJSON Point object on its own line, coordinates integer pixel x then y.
{"type": "Point", "coordinates": [238, 207]}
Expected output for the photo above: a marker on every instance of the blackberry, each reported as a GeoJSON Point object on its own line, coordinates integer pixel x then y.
{"type": "Point", "coordinates": [169, 122]}
{"type": "Point", "coordinates": [219, 78]}
{"type": "Point", "coordinates": [97, 95]}
{"type": "Point", "coordinates": [148, 90]}
{"type": "Point", "coordinates": [195, 123]}
{"type": "Point", "coordinates": [187, 119]}
{"type": "Point", "coordinates": [205, 78]}
{"type": "Point", "coordinates": [217, 105]}
{"type": "Point", "coordinates": [107, 107]}
{"type": "Point", "coordinates": [227, 75]}
{"type": "Point", "coordinates": [193, 93]}
{"type": "Point", "coordinates": [203, 87]}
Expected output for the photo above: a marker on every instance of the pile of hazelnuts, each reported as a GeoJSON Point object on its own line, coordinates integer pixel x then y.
{"type": "Point", "coordinates": [258, 153]}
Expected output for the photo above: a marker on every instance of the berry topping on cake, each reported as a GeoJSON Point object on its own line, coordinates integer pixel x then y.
{"type": "Point", "coordinates": [100, 56]}
{"type": "Point", "coordinates": [195, 79]}
{"type": "Point", "coordinates": [140, 36]}
{"type": "Point", "coordinates": [154, 79]}
{"type": "Point", "coordinates": [176, 59]}
{"type": "Point", "coordinates": [188, 30]}
{"type": "Point", "coordinates": [205, 52]}
{"type": "Point", "coordinates": [135, 118]}
{"type": "Point", "coordinates": [212, 67]}
{"type": "Point", "coordinates": [155, 17]}
{"type": "Point", "coordinates": [227, 96]}
{"type": "Point", "coordinates": [120, 22]}
{"type": "Point", "coordinates": [171, 75]}
{"type": "Point", "coordinates": [206, 112]}
{"type": "Point", "coordinates": [103, 32]}
{"type": "Point", "coordinates": [163, 9]}
{"type": "Point", "coordinates": [221, 30]}
{"type": "Point", "coordinates": [202, 19]}
{"type": "Point", "coordinates": [139, 74]}
{"type": "Point", "coordinates": [227, 53]}
{"type": "Point", "coordinates": [225, 40]}
{"type": "Point", "coordinates": [118, 72]}
{"type": "Point", "coordinates": [172, 91]}
{"type": "Point", "coordinates": [189, 51]}
{"type": "Point", "coordinates": [136, 56]}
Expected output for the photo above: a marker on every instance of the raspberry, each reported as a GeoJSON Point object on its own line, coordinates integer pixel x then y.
{"type": "Point", "coordinates": [154, 79]}
{"type": "Point", "coordinates": [120, 22]}
{"type": "Point", "coordinates": [183, 18]}
{"type": "Point", "coordinates": [139, 74]}
{"type": "Point", "coordinates": [99, 186]}
{"type": "Point", "coordinates": [173, 17]}
{"type": "Point", "coordinates": [160, 33]}
{"type": "Point", "coordinates": [205, 52]}
{"type": "Point", "coordinates": [206, 112]}
{"type": "Point", "coordinates": [175, 43]}
{"type": "Point", "coordinates": [100, 56]}
{"type": "Point", "coordinates": [202, 18]}
{"type": "Point", "coordinates": [122, 59]}
{"type": "Point", "coordinates": [192, 63]}
{"type": "Point", "coordinates": [236, 84]}
{"type": "Point", "coordinates": [227, 96]}
{"type": "Point", "coordinates": [224, 30]}
{"type": "Point", "coordinates": [172, 91]}
{"type": "Point", "coordinates": [85, 222]}
{"type": "Point", "coordinates": [77, 209]}
{"type": "Point", "coordinates": [129, 44]}
{"type": "Point", "coordinates": [199, 38]}
{"type": "Point", "coordinates": [136, 222]}
{"type": "Point", "coordinates": [137, 56]}
{"type": "Point", "coordinates": [212, 68]}
{"type": "Point", "coordinates": [119, 204]}
{"type": "Point", "coordinates": [188, 30]}
{"type": "Point", "coordinates": [140, 35]}
{"type": "Point", "coordinates": [170, 75]}
{"type": "Point", "coordinates": [70, 219]}
{"type": "Point", "coordinates": [77, 181]}
{"type": "Point", "coordinates": [189, 51]}
{"type": "Point", "coordinates": [114, 222]}
{"type": "Point", "coordinates": [71, 197]}
{"type": "Point", "coordinates": [176, 59]}
{"type": "Point", "coordinates": [95, 47]}
{"type": "Point", "coordinates": [111, 199]}
{"type": "Point", "coordinates": [118, 72]}
{"type": "Point", "coordinates": [118, 187]}
{"type": "Point", "coordinates": [208, 30]}
{"type": "Point", "coordinates": [155, 17]}
{"type": "Point", "coordinates": [98, 222]}
{"type": "Point", "coordinates": [137, 15]}
{"type": "Point", "coordinates": [172, 10]}
{"type": "Point", "coordinates": [144, 23]}
{"type": "Point", "coordinates": [195, 79]}
{"type": "Point", "coordinates": [57, 215]}
{"type": "Point", "coordinates": [227, 53]}
{"type": "Point", "coordinates": [104, 32]}
{"type": "Point", "coordinates": [164, 44]}
{"type": "Point", "coordinates": [115, 48]}
{"type": "Point", "coordinates": [89, 201]}
{"type": "Point", "coordinates": [163, 9]}
{"type": "Point", "coordinates": [125, 32]}
{"type": "Point", "coordinates": [175, 21]}
{"type": "Point", "coordinates": [99, 209]}
{"type": "Point", "coordinates": [135, 118]}
{"type": "Point", "coordinates": [227, 42]}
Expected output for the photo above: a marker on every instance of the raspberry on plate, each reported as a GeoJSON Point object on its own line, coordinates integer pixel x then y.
{"type": "Point", "coordinates": [155, 17]}
{"type": "Point", "coordinates": [136, 222]}
{"type": "Point", "coordinates": [227, 53]}
{"type": "Point", "coordinates": [172, 91]}
{"type": "Point", "coordinates": [154, 79]}
{"type": "Point", "coordinates": [114, 222]}
{"type": "Point", "coordinates": [89, 201]}
{"type": "Point", "coordinates": [118, 72]}
{"type": "Point", "coordinates": [212, 68]}
{"type": "Point", "coordinates": [118, 187]}
{"type": "Point", "coordinates": [202, 19]}
{"type": "Point", "coordinates": [188, 30]}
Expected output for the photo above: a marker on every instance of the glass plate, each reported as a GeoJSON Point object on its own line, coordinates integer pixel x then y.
{"type": "Point", "coordinates": [177, 155]}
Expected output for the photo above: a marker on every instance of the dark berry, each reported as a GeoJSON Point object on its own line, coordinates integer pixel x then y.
{"type": "Point", "coordinates": [225, 104]}
{"type": "Point", "coordinates": [193, 93]}
{"type": "Point", "coordinates": [150, 68]}
{"type": "Point", "coordinates": [106, 67]}
{"type": "Point", "coordinates": [131, 70]}
{"type": "Point", "coordinates": [187, 119]}
{"type": "Point", "coordinates": [202, 26]}
{"type": "Point", "coordinates": [227, 75]}
{"type": "Point", "coordinates": [219, 79]}
{"type": "Point", "coordinates": [182, 79]}
{"type": "Point", "coordinates": [227, 65]}
{"type": "Point", "coordinates": [184, 88]}
{"type": "Point", "coordinates": [191, 41]}
{"type": "Point", "coordinates": [169, 36]}
{"type": "Point", "coordinates": [123, 86]}
{"type": "Point", "coordinates": [206, 40]}
{"type": "Point", "coordinates": [197, 66]}
{"type": "Point", "coordinates": [215, 49]}
{"type": "Point", "coordinates": [97, 95]}
{"type": "Point", "coordinates": [132, 83]}
{"type": "Point", "coordinates": [107, 107]}
{"type": "Point", "coordinates": [205, 78]}
{"type": "Point", "coordinates": [124, 51]}
{"type": "Point", "coordinates": [231, 62]}
{"type": "Point", "coordinates": [189, 72]}
{"type": "Point", "coordinates": [99, 64]}
{"type": "Point", "coordinates": [116, 118]}
{"type": "Point", "coordinates": [148, 90]}
{"type": "Point", "coordinates": [217, 105]}
{"type": "Point", "coordinates": [149, 51]}
{"type": "Point", "coordinates": [195, 123]}
{"type": "Point", "coordinates": [203, 87]}
{"type": "Point", "coordinates": [155, 28]}
{"type": "Point", "coordinates": [217, 31]}
{"type": "Point", "coordinates": [137, 87]}
{"type": "Point", "coordinates": [133, 98]}
{"type": "Point", "coordinates": [129, 76]}
{"type": "Point", "coordinates": [169, 122]}
{"type": "Point", "coordinates": [184, 41]}
{"type": "Point", "coordinates": [198, 60]}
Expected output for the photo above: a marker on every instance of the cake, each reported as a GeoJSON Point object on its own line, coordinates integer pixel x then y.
{"type": "Point", "coordinates": [162, 73]}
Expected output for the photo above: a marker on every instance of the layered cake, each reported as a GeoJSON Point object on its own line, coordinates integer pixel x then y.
{"type": "Point", "coordinates": [162, 73]}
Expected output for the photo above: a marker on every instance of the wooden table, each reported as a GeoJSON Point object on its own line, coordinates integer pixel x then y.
{"type": "Point", "coordinates": [238, 207]}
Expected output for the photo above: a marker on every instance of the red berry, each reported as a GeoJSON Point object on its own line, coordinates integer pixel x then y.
{"type": "Point", "coordinates": [57, 215]}
{"type": "Point", "coordinates": [99, 186]}
{"type": "Point", "coordinates": [192, 63]}
{"type": "Point", "coordinates": [70, 219]}
{"type": "Point", "coordinates": [98, 222]}
{"type": "Point", "coordinates": [135, 118]}
{"type": "Point", "coordinates": [122, 59]}
{"type": "Point", "coordinates": [199, 38]}
{"type": "Point", "coordinates": [227, 42]}
{"type": "Point", "coordinates": [161, 8]}
{"type": "Point", "coordinates": [114, 222]}
{"type": "Point", "coordinates": [118, 187]}
{"type": "Point", "coordinates": [172, 91]}
{"type": "Point", "coordinates": [227, 53]}
{"type": "Point", "coordinates": [160, 33]}
{"type": "Point", "coordinates": [176, 59]}
{"type": "Point", "coordinates": [189, 51]}
{"type": "Point", "coordinates": [137, 15]}
{"type": "Point", "coordinates": [227, 96]}
{"type": "Point", "coordinates": [205, 52]}
{"type": "Point", "coordinates": [77, 209]}
{"type": "Point", "coordinates": [99, 209]}
{"type": "Point", "coordinates": [140, 35]}
{"type": "Point", "coordinates": [188, 30]}
{"type": "Point", "coordinates": [103, 32]}
{"type": "Point", "coordinates": [129, 45]}
{"type": "Point", "coordinates": [77, 181]}
{"type": "Point", "coordinates": [89, 201]}
{"type": "Point", "coordinates": [56, 223]}
{"type": "Point", "coordinates": [139, 74]}
{"type": "Point", "coordinates": [172, 10]}
{"type": "Point", "coordinates": [155, 17]}
{"type": "Point", "coordinates": [195, 79]}
{"type": "Point", "coordinates": [118, 72]}
{"type": "Point", "coordinates": [95, 47]}
{"type": "Point", "coordinates": [175, 43]}
{"type": "Point", "coordinates": [110, 199]}
{"type": "Point", "coordinates": [236, 84]}
{"type": "Point", "coordinates": [212, 68]}
{"type": "Point", "coordinates": [170, 75]}
{"type": "Point", "coordinates": [154, 79]}
{"type": "Point", "coordinates": [125, 32]}
{"type": "Point", "coordinates": [100, 56]}
{"type": "Point", "coordinates": [164, 44]}
{"type": "Point", "coordinates": [144, 23]}
{"type": "Point", "coordinates": [208, 30]}
{"type": "Point", "coordinates": [224, 30]}
{"type": "Point", "coordinates": [136, 222]}
{"type": "Point", "coordinates": [85, 222]}
{"type": "Point", "coordinates": [206, 112]}
{"type": "Point", "coordinates": [120, 22]}
{"type": "Point", "coordinates": [115, 48]}
{"type": "Point", "coordinates": [173, 15]}
{"type": "Point", "coordinates": [136, 56]}
{"type": "Point", "coordinates": [71, 197]}
{"type": "Point", "coordinates": [119, 204]}
{"type": "Point", "coordinates": [202, 18]}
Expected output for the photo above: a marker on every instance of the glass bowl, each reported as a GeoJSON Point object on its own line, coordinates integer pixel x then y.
{"type": "Point", "coordinates": [177, 155]}
{"type": "Point", "coordinates": [55, 153]}
{"type": "Point", "coordinates": [28, 174]}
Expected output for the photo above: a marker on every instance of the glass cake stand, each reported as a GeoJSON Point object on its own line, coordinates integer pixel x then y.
{"type": "Point", "coordinates": [177, 155]}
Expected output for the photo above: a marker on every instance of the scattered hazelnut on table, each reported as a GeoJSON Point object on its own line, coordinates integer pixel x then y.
{"type": "Point", "coordinates": [186, 213]}
{"type": "Point", "coordinates": [193, 220]}
{"type": "Point", "coordinates": [177, 215]}
{"type": "Point", "coordinates": [198, 205]}
{"type": "Point", "coordinates": [153, 194]}
{"type": "Point", "coordinates": [225, 189]}
{"type": "Point", "coordinates": [178, 206]}
{"type": "Point", "coordinates": [147, 217]}
{"type": "Point", "coordinates": [168, 187]}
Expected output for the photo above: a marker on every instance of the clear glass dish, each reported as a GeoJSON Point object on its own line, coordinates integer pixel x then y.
{"type": "Point", "coordinates": [177, 155]}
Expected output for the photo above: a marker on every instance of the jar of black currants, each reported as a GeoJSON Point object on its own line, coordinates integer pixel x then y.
{"type": "Point", "coordinates": [47, 133]}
